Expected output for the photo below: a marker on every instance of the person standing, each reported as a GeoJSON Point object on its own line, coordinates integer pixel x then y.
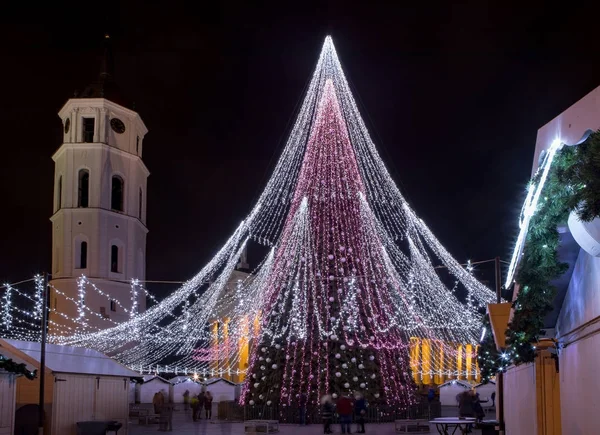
{"type": "Point", "coordinates": [465, 407]}
{"type": "Point", "coordinates": [303, 400]}
{"type": "Point", "coordinates": [360, 411]}
{"type": "Point", "coordinates": [186, 400]}
{"type": "Point", "coordinates": [208, 405]}
{"type": "Point", "coordinates": [201, 400]}
{"type": "Point", "coordinates": [158, 401]}
{"type": "Point", "coordinates": [327, 413]}
{"type": "Point", "coordinates": [344, 410]}
{"type": "Point", "coordinates": [195, 408]}
{"type": "Point", "coordinates": [477, 408]}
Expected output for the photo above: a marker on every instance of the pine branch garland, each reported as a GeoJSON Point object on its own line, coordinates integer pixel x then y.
{"type": "Point", "coordinates": [573, 184]}
{"type": "Point", "coordinates": [10, 366]}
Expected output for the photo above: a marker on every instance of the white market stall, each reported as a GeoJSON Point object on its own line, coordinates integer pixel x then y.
{"type": "Point", "coordinates": [144, 393]}
{"type": "Point", "coordinates": [8, 391]}
{"type": "Point", "coordinates": [8, 382]}
{"type": "Point", "coordinates": [181, 384]}
{"type": "Point", "coordinates": [449, 390]}
{"type": "Point", "coordinates": [81, 385]}
{"type": "Point", "coordinates": [222, 390]}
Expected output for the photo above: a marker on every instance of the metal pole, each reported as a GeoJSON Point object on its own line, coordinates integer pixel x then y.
{"type": "Point", "coordinates": [43, 352]}
{"type": "Point", "coordinates": [500, 375]}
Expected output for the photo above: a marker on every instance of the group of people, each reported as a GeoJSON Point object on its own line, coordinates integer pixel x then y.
{"type": "Point", "coordinates": [344, 407]}
{"type": "Point", "coordinates": [201, 401]}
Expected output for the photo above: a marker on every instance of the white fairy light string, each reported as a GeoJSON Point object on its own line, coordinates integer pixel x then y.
{"type": "Point", "coordinates": [350, 265]}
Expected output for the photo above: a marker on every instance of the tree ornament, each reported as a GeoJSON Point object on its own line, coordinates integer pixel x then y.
{"type": "Point", "coordinates": [251, 402]}
{"type": "Point", "coordinates": [346, 385]}
{"type": "Point", "coordinates": [362, 385]}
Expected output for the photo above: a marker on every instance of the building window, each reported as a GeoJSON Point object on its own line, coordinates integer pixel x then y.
{"type": "Point", "coordinates": [113, 306]}
{"type": "Point", "coordinates": [59, 193]}
{"type": "Point", "coordinates": [83, 255]}
{"type": "Point", "coordinates": [114, 258]}
{"type": "Point", "coordinates": [140, 199]}
{"type": "Point", "coordinates": [88, 129]}
{"type": "Point", "coordinates": [137, 145]}
{"type": "Point", "coordinates": [83, 192]}
{"type": "Point", "coordinates": [116, 199]}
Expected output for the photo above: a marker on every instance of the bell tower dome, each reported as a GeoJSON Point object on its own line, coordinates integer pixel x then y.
{"type": "Point", "coordinates": [99, 220]}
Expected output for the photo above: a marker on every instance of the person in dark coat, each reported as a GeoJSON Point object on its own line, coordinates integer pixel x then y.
{"type": "Point", "coordinates": [360, 411]}
{"type": "Point", "coordinates": [201, 400]}
{"type": "Point", "coordinates": [477, 408]}
{"type": "Point", "coordinates": [465, 405]}
{"type": "Point", "coordinates": [327, 413]}
{"type": "Point", "coordinates": [208, 405]}
{"type": "Point", "coordinates": [344, 409]}
{"type": "Point", "coordinates": [302, 403]}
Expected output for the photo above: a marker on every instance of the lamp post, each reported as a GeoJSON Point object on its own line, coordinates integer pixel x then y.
{"type": "Point", "coordinates": [44, 326]}
{"type": "Point", "coordinates": [499, 375]}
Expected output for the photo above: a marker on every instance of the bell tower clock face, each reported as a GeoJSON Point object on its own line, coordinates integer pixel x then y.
{"type": "Point", "coordinates": [117, 125]}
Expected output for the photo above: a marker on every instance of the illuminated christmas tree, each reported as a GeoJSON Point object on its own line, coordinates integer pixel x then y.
{"type": "Point", "coordinates": [347, 291]}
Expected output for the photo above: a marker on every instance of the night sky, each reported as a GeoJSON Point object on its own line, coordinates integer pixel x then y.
{"type": "Point", "coordinates": [452, 95]}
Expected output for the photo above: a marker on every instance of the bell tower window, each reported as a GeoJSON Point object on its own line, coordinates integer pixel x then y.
{"type": "Point", "coordinates": [88, 129]}
{"type": "Point", "coordinates": [140, 199]}
{"type": "Point", "coordinates": [137, 145]}
{"type": "Point", "coordinates": [116, 199]}
{"type": "Point", "coordinates": [114, 258]}
{"type": "Point", "coordinates": [59, 193]}
{"type": "Point", "coordinates": [83, 191]}
{"type": "Point", "coordinates": [83, 255]}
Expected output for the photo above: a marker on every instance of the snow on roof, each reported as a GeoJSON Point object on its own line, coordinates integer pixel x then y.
{"type": "Point", "coordinates": [215, 380]}
{"type": "Point", "coordinates": [482, 384]}
{"type": "Point", "coordinates": [150, 378]}
{"type": "Point", "coordinates": [69, 359]}
{"type": "Point", "coordinates": [180, 379]}
{"type": "Point", "coordinates": [458, 382]}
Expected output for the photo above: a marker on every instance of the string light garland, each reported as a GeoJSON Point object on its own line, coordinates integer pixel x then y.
{"type": "Point", "coordinates": [344, 294]}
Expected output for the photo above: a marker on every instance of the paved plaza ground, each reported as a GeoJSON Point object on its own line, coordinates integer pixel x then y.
{"type": "Point", "coordinates": [183, 425]}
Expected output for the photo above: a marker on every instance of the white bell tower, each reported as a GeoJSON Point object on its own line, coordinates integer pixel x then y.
{"type": "Point", "coordinates": [99, 220]}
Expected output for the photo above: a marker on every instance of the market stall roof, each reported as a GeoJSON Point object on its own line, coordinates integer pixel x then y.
{"type": "Point", "coordinates": [68, 359]}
